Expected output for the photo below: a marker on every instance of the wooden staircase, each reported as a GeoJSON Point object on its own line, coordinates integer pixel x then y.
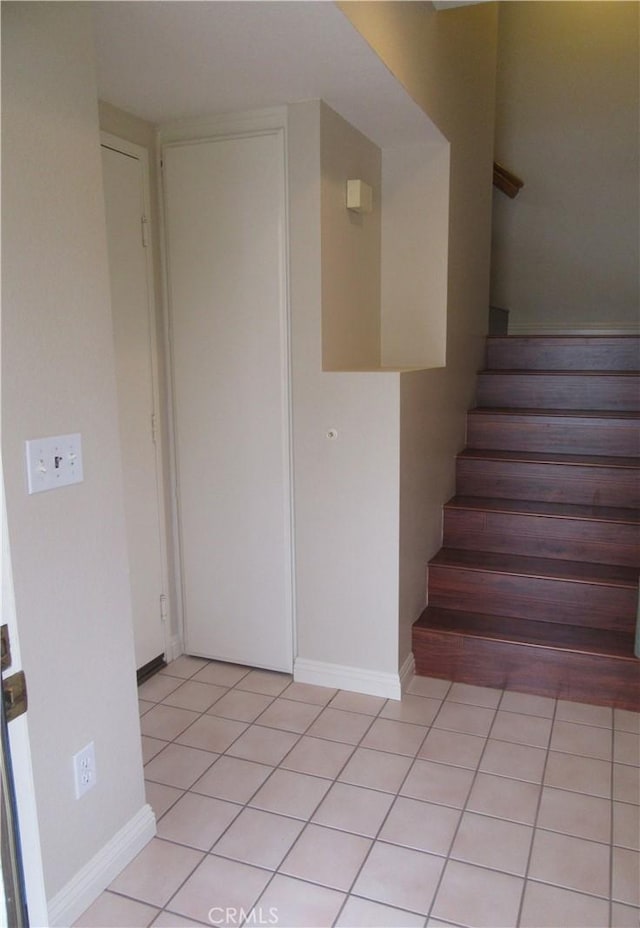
{"type": "Point", "coordinates": [536, 587]}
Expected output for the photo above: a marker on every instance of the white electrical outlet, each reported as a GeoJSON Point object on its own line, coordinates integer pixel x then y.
{"type": "Point", "coordinates": [53, 462]}
{"type": "Point", "coordinates": [84, 769]}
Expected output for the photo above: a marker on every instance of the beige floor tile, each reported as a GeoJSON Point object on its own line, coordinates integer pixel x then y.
{"type": "Point", "coordinates": [600, 716]}
{"type": "Point", "coordinates": [626, 783]}
{"type": "Point", "coordinates": [165, 722]}
{"type": "Point", "coordinates": [586, 740]}
{"type": "Point", "coordinates": [144, 706]}
{"type": "Point", "coordinates": [161, 797]}
{"type": "Point", "coordinates": [419, 710]}
{"type": "Point", "coordinates": [290, 793]}
{"type": "Point", "coordinates": [111, 911]}
{"type": "Point", "coordinates": [151, 747]}
{"type": "Point", "coordinates": [362, 913]}
{"type": "Point", "coordinates": [338, 725]}
{"type": "Point", "coordinates": [289, 715]}
{"type": "Point", "coordinates": [452, 747]}
{"type": "Point", "coordinates": [472, 720]}
{"type": "Point", "coordinates": [195, 696]}
{"type": "Point", "coordinates": [551, 907]}
{"type": "Point", "coordinates": [218, 885]}
{"type": "Point", "coordinates": [352, 808]}
{"type": "Point", "coordinates": [429, 686]}
{"type": "Point", "coordinates": [626, 748]}
{"type": "Point", "coordinates": [233, 779]}
{"type": "Point", "coordinates": [470, 895]}
{"type": "Point", "coordinates": [221, 674]}
{"type": "Point", "coordinates": [438, 783]}
{"type": "Point", "coordinates": [267, 682]}
{"type": "Point", "coordinates": [399, 877]}
{"type": "Point", "coordinates": [575, 814]}
{"type": "Point", "coordinates": [518, 761]}
{"type": "Point", "coordinates": [295, 903]}
{"type": "Point", "coordinates": [210, 733]}
{"type": "Point", "coordinates": [157, 687]}
{"type": "Point", "coordinates": [474, 695]}
{"type": "Point", "coordinates": [625, 720]}
{"type": "Point", "coordinates": [240, 706]}
{"type": "Point", "coordinates": [263, 745]}
{"type": "Point", "coordinates": [624, 916]}
{"type": "Point", "coordinates": [315, 756]}
{"type": "Point", "coordinates": [626, 876]}
{"type": "Point", "coordinates": [395, 737]}
{"type": "Point", "coordinates": [376, 769]}
{"type": "Point", "coordinates": [570, 862]}
{"type": "Point", "coordinates": [501, 797]}
{"type": "Point", "coordinates": [626, 825]}
{"type": "Point", "coordinates": [308, 692]}
{"type": "Point", "coordinates": [521, 729]}
{"type": "Point", "coordinates": [259, 838]}
{"type": "Point", "coordinates": [326, 856]}
{"type": "Point", "coordinates": [422, 826]}
{"type": "Point", "coordinates": [179, 766]}
{"type": "Point", "coordinates": [357, 702]}
{"type": "Point", "coordinates": [494, 843]}
{"type": "Point", "coordinates": [528, 704]}
{"type": "Point", "coordinates": [170, 920]}
{"type": "Point", "coordinates": [156, 872]}
{"type": "Point", "coordinates": [184, 666]}
{"type": "Point", "coordinates": [197, 821]}
{"type": "Point", "coordinates": [581, 774]}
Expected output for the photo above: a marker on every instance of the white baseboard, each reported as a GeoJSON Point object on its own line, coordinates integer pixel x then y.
{"type": "Point", "coordinates": [588, 328]}
{"type": "Point", "coordinates": [355, 679]}
{"type": "Point", "coordinates": [85, 887]}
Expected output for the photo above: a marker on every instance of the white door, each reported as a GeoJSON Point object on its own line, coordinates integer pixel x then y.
{"type": "Point", "coordinates": [132, 309]}
{"type": "Point", "coordinates": [225, 232]}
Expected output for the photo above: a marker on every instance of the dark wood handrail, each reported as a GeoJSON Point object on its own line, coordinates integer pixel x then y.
{"type": "Point", "coordinates": [506, 181]}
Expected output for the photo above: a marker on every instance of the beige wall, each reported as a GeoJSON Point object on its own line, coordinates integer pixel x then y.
{"type": "Point", "coordinates": [350, 244]}
{"type": "Point", "coordinates": [565, 252]}
{"type": "Point", "coordinates": [446, 61]}
{"type": "Point", "coordinates": [68, 546]}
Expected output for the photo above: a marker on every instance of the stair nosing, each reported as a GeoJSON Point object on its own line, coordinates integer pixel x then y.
{"type": "Point", "coordinates": [515, 570]}
{"type": "Point", "coordinates": [622, 462]}
{"type": "Point", "coordinates": [537, 411]}
{"type": "Point", "coordinates": [498, 505]}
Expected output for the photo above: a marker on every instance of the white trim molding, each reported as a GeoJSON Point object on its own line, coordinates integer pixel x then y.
{"type": "Point", "coordinates": [85, 887]}
{"type": "Point", "coordinates": [355, 679]}
{"type": "Point", "coordinates": [407, 671]}
{"type": "Point", "coordinates": [585, 328]}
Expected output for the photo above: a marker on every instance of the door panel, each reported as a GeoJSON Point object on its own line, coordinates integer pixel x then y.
{"type": "Point", "coordinates": [225, 227]}
{"type": "Point", "coordinates": [130, 299]}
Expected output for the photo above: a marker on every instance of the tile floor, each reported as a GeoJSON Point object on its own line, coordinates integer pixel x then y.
{"type": "Point", "coordinates": [284, 804]}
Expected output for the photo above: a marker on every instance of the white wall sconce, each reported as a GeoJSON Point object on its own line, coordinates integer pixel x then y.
{"type": "Point", "coordinates": [359, 196]}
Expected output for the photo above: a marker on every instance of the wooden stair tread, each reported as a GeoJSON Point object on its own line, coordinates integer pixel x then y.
{"type": "Point", "coordinates": [539, 567]}
{"type": "Point", "coordinates": [553, 372]}
{"type": "Point", "coordinates": [536, 457]}
{"type": "Point", "coordinates": [558, 339]}
{"type": "Point", "coordinates": [551, 510]}
{"type": "Point", "coordinates": [536, 634]}
{"type": "Point", "coordinates": [526, 412]}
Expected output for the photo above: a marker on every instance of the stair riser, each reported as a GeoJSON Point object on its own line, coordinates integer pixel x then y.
{"type": "Point", "coordinates": [566, 435]}
{"type": "Point", "coordinates": [534, 598]}
{"type": "Point", "coordinates": [552, 483]}
{"type": "Point", "coordinates": [556, 391]}
{"type": "Point", "coordinates": [542, 536]}
{"type": "Point", "coordinates": [594, 679]}
{"type": "Point", "coordinates": [604, 354]}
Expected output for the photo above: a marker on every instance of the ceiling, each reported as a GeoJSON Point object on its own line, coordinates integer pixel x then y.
{"type": "Point", "coordinates": [164, 60]}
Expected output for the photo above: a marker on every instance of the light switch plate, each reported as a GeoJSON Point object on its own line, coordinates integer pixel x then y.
{"type": "Point", "coordinates": [53, 462]}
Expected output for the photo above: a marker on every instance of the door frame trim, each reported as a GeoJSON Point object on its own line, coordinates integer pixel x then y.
{"type": "Point", "coordinates": [132, 150]}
